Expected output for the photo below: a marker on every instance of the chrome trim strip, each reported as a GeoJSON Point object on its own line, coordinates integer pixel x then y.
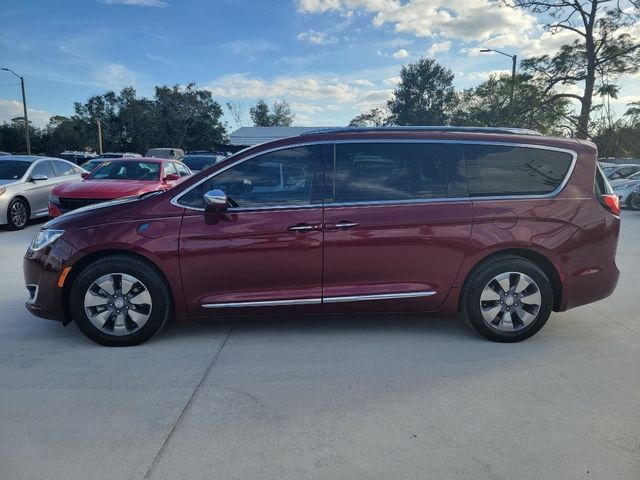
{"type": "Point", "coordinates": [574, 155]}
{"type": "Point", "coordinates": [265, 303]}
{"type": "Point", "coordinates": [379, 296]}
{"type": "Point", "coordinates": [315, 301]}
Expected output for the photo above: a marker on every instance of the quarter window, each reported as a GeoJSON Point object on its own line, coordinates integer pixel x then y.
{"type": "Point", "coordinates": [366, 172]}
{"type": "Point", "coordinates": [290, 177]}
{"type": "Point", "coordinates": [498, 170]}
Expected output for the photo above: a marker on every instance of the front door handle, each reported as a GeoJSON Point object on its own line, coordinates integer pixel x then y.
{"type": "Point", "coordinates": [302, 227]}
{"type": "Point", "coordinates": [342, 225]}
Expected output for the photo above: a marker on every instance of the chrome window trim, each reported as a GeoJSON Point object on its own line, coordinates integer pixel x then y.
{"type": "Point", "coordinates": [574, 156]}
{"type": "Point", "coordinates": [318, 300]}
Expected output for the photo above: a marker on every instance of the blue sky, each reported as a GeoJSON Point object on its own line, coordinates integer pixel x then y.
{"type": "Point", "coordinates": [330, 59]}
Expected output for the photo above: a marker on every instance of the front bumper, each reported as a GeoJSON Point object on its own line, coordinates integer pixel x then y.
{"type": "Point", "coordinates": [42, 270]}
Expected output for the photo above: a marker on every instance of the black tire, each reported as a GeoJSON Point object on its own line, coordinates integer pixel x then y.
{"type": "Point", "coordinates": [160, 308]}
{"type": "Point", "coordinates": [483, 275]}
{"type": "Point", "coordinates": [631, 204]}
{"type": "Point", "coordinates": [12, 222]}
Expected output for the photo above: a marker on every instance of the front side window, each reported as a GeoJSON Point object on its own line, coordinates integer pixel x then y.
{"type": "Point", "coordinates": [170, 169]}
{"type": "Point", "coordinates": [43, 168]}
{"type": "Point", "coordinates": [183, 171]}
{"type": "Point", "coordinates": [366, 172]}
{"type": "Point", "coordinates": [290, 177]}
{"type": "Point", "coordinates": [499, 170]}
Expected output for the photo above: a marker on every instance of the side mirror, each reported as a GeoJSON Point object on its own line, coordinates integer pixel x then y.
{"type": "Point", "coordinates": [84, 175]}
{"type": "Point", "coordinates": [216, 200]}
{"type": "Point", "coordinates": [39, 177]}
{"type": "Point", "coordinates": [172, 177]}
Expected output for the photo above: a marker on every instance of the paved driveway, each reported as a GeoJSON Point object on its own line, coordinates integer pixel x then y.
{"type": "Point", "coordinates": [395, 397]}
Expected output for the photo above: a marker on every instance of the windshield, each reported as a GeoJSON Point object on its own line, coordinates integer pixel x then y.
{"type": "Point", "coordinates": [199, 162]}
{"type": "Point", "coordinates": [12, 169]}
{"type": "Point", "coordinates": [127, 170]}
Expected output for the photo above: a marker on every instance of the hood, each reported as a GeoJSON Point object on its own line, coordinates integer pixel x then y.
{"type": "Point", "coordinates": [8, 182]}
{"type": "Point", "coordinates": [106, 189]}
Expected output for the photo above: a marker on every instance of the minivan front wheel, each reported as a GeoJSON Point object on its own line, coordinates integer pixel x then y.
{"type": "Point", "coordinates": [119, 301]}
{"type": "Point", "coordinates": [508, 299]}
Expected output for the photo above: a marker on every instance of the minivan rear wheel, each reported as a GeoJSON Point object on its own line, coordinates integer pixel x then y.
{"type": "Point", "coordinates": [507, 299]}
{"type": "Point", "coordinates": [119, 301]}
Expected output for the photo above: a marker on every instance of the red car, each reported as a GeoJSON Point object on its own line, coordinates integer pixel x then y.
{"type": "Point", "coordinates": [127, 177]}
{"type": "Point", "coordinates": [502, 225]}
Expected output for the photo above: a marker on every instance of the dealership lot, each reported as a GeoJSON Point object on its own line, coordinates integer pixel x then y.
{"type": "Point", "coordinates": [341, 397]}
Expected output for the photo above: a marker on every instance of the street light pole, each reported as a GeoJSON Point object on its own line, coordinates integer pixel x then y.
{"type": "Point", "coordinates": [514, 61]}
{"type": "Point", "coordinates": [24, 109]}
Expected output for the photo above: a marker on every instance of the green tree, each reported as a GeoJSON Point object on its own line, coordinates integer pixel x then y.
{"type": "Point", "coordinates": [424, 96]}
{"type": "Point", "coordinates": [487, 105]}
{"type": "Point", "coordinates": [279, 115]}
{"type": "Point", "coordinates": [602, 51]}
{"type": "Point", "coordinates": [376, 117]}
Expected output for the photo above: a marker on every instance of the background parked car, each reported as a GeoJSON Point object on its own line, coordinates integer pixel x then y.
{"type": "Point", "coordinates": [116, 179]}
{"type": "Point", "coordinates": [2, 154]}
{"type": "Point", "coordinates": [25, 184]}
{"type": "Point", "coordinates": [201, 161]}
{"type": "Point", "coordinates": [624, 187]}
{"type": "Point", "coordinates": [120, 155]}
{"type": "Point", "coordinates": [616, 172]}
{"type": "Point", "coordinates": [169, 153]}
{"type": "Point", "coordinates": [77, 157]}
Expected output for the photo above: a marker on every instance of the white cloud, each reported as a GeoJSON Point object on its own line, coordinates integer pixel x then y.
{"type": "Point", "coordinates": [402, 53]}
{"type": "Point", "coordinates": [137, 3]}
{"type": "Point", "coordinates": [11, 109]}
{"type": "Point", "coordinates": [362, 82]}
{"type": "Point", "coordinates": [248, 48]}
{"type": "Point", "coordinates": [482, 75]}
{"type": "Point", "coordinates": [439, 47]}
{"type": "Point", "coordinates": [391, 81]}
{"type": "Point", "coordinates": [316, 38]}
{"type": "Point", "coordinates": [115, 76]}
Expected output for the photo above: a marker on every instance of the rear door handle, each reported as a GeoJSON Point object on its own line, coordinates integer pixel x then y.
{"type": "Point", "coordinates": [342, 225]}
{"type": "Point", "coordinates": [302, 227]}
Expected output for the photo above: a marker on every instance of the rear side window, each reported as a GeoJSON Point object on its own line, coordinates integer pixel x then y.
{"type": "Point", "coordinates": [498, 170]}
{"type": "Point", "coordinates": [367, 172]}
{"type": "Point", "coordinates": [63, 169]}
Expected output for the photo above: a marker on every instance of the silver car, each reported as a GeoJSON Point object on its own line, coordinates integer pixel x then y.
{"type": "Point", "coordinates": [25, 184]}
{"type": "Point", "coordinates": [624, 187]}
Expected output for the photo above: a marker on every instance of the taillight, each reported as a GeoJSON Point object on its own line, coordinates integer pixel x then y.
{"type": "Point", "coordinates": [611, 203]}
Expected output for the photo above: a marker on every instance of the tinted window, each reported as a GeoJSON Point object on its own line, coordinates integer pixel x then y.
{"type": "Point", "coordinates": [285, 177]}
{"type": "Point", "coordinates": [496, 170]}
{"type": "Point", "coordinates": [43, 168]}
{"type": "Point", "coordinates": [63, 168]}
{"type": "Point", "coordinates": [182, 170]}
{"type": "Point", "coordinates": [397, 171]}
{"type": "Point", "coordinates": [12, 169]}
{"type": "Point", "coordinates": [199, 162]}
{"type": "Point", "coordinates": [126, 170]}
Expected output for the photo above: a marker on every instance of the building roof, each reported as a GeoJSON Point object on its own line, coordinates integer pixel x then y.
{"type": "Point", "coordinates": [250, 136]}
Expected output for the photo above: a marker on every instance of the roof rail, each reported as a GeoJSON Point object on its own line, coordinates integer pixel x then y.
{"type": "Point", "coordinates": [503, 130]}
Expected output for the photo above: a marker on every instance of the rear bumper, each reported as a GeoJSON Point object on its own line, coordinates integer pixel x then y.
{"type": "Point", "coordinates": [41, 273]}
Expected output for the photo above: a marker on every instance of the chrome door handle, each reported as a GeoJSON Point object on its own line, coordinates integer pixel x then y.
{"type": "Point", "coordinates": [302, 228]}
{"type": "Point", "coordinates": [345, 225]}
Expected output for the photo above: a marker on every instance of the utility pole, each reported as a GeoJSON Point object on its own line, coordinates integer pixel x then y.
{"type": "Point", "coordinates": [99, 137]}
{"type": "Point", "coordinates": [514, 61]}
{"type": "Point", "coordinates": [24, 108]}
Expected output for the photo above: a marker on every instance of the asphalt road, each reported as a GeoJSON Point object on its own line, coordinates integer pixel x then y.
{"type": "Point", "coordinates": [395, 397]}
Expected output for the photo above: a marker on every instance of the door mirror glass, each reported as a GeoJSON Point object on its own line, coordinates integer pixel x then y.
{"type": "Point", "coordinates": [216, 201]}
{"type": "Point", "coordinates": [38, 177]}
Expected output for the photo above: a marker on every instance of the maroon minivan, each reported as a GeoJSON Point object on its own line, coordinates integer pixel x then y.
{"type": "Point", "coordinates": [502, 225]}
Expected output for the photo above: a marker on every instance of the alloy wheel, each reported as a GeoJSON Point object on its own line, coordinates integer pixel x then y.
{"type": "Point", "coordinates": [510, 302]}
{"type": "Point", "coordinates": [18, 214]}
{"type": "Point", "coordinates": [118, 304]}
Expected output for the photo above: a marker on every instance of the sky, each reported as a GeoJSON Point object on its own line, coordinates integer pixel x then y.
{"type": "Point", "coordinates": [330, 59]}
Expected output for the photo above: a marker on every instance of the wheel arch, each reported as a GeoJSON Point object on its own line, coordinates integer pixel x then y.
{"type": "Point", "coordinates": [88, 259]}
{"type": "Point", "coordinates": [540, 260]}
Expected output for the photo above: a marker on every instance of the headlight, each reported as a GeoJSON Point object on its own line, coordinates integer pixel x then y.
{"type": "Point", "coordinates": [54, 199]}
{"type": "Point", "coordinates": [44, 238]}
